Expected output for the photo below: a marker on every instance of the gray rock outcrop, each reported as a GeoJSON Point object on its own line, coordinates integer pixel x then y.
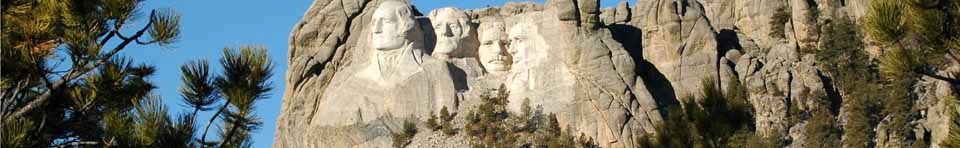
{"type": "Point", "coordinates": [608, 73]}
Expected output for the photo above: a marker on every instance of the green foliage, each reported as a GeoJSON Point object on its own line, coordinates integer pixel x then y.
{"type": "Point", "coordinates": [488, 125]}
{"type": "Point", "coordinates": [245, 74]}
{"type": "Point", "coordinates": [897, 107]}
{"type": "Point", "coordinates": [778, 22]}
{"type": "Point", "coordinates": [744, 139]}
{"type": "Point", "coordinates": [717, 120]}
{"type": "Point", "coordinates": [855, 77]}
{"type": "Point", "coordinates": [198, 90]}
{"type": "Point", "coordinates": [898, 63]}
{"type": "Point", "coordinates": [403, 138]}
{"type": "Point", "coordinates": [16, 133]}
{"type": "Point", "coordinates": [240, 137]}
{"type": "Point", "coordinates": [166, 26]}
{"type": "Point", "coordinates": [953, 130]}
{"type": "Point", "coordinates": [447, 128]}
{"type": "Point", "coordinates": [432, 122]}
{"type": "Point", "coordinates": [526, 111]}
{"type": "Point", "coordinates": [67, 83]}
{"type": "Point", "coordinates": [69, 75]}
{"type": "Point", "coordinates": [919, 37]}
{"type": "Point", "coordinates": [493, 126]}
{"type": "Point", "coordinates": [446, 125]}
{"type": "Point", "coordinates": [444, 114]}
{"type": "Point", "coordinates": [884, 21]}
{"type": "Point", "coordinates": [148, 125]}
{"type": "Point", "coordinates": [821, 130]}
{"type": "Point", "coordinates": [675, 131]}
{"type": "Point", "coordinates": [242, 83]}
{"type": "Point", "coordinates": [841, 46]}
{"type": "Point", "coordinates": [919, 34]}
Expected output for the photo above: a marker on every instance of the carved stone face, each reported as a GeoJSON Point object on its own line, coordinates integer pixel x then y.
{"type": "Point", "coordinates": [520, 42]}
{"type": "Point", "coordinates": [391, 22]}
{"type": "Point", "coordinates": [493, 48]}
{"type": "Point", "coordinates": [452, 29]}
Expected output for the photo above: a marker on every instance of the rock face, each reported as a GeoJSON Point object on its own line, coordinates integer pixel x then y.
{"type": "Point", "coordinates": [681, 43]}
{"type": "Point", "coordinates": [359, 68]}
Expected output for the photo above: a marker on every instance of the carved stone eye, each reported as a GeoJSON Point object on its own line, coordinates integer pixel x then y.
{"type": "Point", "coordinates": [488, 42]}
{"type": "Point", "coordinates": [454, 26]}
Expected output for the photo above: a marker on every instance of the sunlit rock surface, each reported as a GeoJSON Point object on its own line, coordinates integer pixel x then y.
{"type": "Point", "coordinates": [359, 68]}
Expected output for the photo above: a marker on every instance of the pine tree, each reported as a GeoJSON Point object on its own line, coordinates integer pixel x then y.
{"type": "Point", "coordinates": [918, 38]}
{"type": "Point", "coordinates": [432, 122]}
{"type": "Point", "coordinates": [63, 68]}
{"type": "Point", "coordinates": [405, 135]}
{"type": "Point", "coordinates": [64, 74]}
{"type": "Point", "coordinates": [778, 22]}
{"type": "Point", "coordinates": [446, 125]}
{"type": "Point", "coordinates": [821, 130]}
{"type": "Point", "coordinates": [855, 77]}
{"type": "Point", "coordinates": [717, 120]}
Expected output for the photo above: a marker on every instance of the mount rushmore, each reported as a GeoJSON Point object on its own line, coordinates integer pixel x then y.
{"type": "Point", "coordinates": [359, 68]}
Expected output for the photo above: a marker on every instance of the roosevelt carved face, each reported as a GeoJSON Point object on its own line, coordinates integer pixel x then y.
{"type": "Point", "coordinates": [493, 48]}
{"type": "Point", "coordinates": [453, 31]}
{"type": "Point", "coordinates": [391, 22]}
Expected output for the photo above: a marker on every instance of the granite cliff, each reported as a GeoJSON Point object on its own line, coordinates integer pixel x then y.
{"type": "Point", "coordinates": [359, 68]}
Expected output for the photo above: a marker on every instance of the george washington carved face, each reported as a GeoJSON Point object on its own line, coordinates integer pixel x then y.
{"type": "Point", "coordinates": [391, 23]}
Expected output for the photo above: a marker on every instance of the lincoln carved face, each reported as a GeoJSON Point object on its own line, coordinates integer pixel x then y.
{"type": "Point", "coordinates": [493, 53]}
{"type": "Point", "coordinates": [520, 42]}
{"type": "Point", "coordinates": [391, 23]}
{"type": "Point", "coordinates": [453, 30]}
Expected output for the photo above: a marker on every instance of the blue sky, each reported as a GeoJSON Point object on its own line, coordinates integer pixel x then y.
{"type": "Point", "coordinates": [208, 26]}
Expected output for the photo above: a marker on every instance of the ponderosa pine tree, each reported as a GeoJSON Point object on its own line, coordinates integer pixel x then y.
{"type": "Point", "coordinates": [717, 120]}
{"type": "Point", "coordinates": [65, 84]}
{"type": "Point", "coordinates": [64, 74]}
{"type": "Point", "coordinates": [920, 38]}
{"type": "Point", "coordinates": [855, 77]}
{"type": "Point", "coordinates": [405, 135]}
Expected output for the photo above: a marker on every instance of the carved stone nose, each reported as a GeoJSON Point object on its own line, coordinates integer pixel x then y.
{"type": "Point", "coordinates": [446, 31]}
{"type": "Point", "coordinates": [377, 28]}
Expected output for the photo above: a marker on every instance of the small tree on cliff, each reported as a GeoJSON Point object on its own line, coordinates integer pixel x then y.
{"type": "Point", "coordinates": [493, 126]}
{"type": "Point", "coordinates": [718, 120]}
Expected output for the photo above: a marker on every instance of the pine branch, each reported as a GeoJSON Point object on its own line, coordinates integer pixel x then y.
{"type": "Point", "coordinates": [230, 133]}
{"type": "Point", "coordinates": [203, 138]}
{"type": "Point", "coordinates": [7, 102]}
{"type": "Point", "coordinates": [78, 144]}
{"type": "Point", "coordinates": [939, 77]}
{"type": "Point", "coordinates": [75, 73]}
{"type": "Point", "coordinates": [952, 54]}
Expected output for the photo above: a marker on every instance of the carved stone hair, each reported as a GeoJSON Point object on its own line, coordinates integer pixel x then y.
{"type": "Point", "coordinates": [401, 10]}
{"type": "Point", "coordinates": [493, 23]}
{"type": "Point", "coordinates": [462, 18]}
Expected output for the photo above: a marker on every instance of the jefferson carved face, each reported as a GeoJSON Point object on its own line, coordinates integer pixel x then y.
{"type": "Point", "coordinates": [391, 22]}
{"type": "Point", "coordinates": [493, 48]}
{"type": "Point", "coordinates": [453, 31]}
